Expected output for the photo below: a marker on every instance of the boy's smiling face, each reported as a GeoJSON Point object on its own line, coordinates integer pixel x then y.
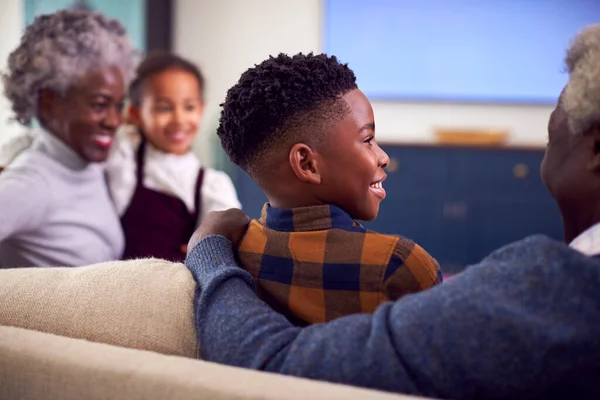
{"type": "Point", "coordinates": [352, 163]}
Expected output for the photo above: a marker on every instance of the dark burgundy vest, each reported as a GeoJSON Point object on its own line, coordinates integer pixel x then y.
{"type": "Point", "coordinates": [157, 224]}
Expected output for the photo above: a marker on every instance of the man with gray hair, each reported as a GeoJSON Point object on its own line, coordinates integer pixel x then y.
{"type": "Point", "coordinates": [571, 168]}
{"type": "Point", "coordinates": [523, 323]}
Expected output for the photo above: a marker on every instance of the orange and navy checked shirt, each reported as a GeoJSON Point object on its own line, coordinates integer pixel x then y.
{"type": "Point", "coordinates": [315, 264]}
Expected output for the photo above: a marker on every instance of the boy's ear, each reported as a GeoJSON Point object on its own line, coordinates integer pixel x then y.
{"type": "Point", "coordinates": [595, 161]}
{"type": "Point", "coordinates": [305, 164]}
{"type": "Point", "coordinates": [133, 115]}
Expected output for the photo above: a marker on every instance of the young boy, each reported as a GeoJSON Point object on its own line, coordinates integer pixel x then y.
{"type": "Point", "coordinates": [305, 133]}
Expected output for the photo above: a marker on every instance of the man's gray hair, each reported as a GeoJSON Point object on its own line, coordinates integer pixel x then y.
{"type": "Point", "coordinates": [57, 49]}
{"type": "Point", "coordinates": [581, 97]}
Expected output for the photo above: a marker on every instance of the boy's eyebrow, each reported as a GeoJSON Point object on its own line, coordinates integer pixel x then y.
{"type": "Point", "coordinates": [370, 125]}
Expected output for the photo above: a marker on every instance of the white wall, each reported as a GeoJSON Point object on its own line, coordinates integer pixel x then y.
{"type": "Point", "coordinates": [225, 37]}
{"type": "Point", "coordinates": [11, 26]}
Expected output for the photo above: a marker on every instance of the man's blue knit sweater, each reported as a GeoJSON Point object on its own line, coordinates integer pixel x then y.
{"type": "Point", "coordinates": [523, 323]}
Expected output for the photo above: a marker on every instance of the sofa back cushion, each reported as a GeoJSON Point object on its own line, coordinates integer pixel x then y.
{"type": "Point", "coordinates": [143, 304]}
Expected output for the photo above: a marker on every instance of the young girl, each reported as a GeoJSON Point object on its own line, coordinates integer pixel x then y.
{"type": "Point", "coordinates": [159, 187]}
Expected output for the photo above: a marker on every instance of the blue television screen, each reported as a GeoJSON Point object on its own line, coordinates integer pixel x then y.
{"type": "Point", "coordinates": [498, 51]}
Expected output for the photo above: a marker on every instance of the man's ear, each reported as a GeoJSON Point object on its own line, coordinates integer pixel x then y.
{"type": "Point", "coordinates": [305, 164]}
{"type": "Point", "coordinates": [595, 160]}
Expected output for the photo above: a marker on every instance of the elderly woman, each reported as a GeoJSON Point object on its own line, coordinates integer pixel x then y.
{"type": "Point", "coordinates": [69, 73]}
{"type": "Point", "coordinates": [524, 323]}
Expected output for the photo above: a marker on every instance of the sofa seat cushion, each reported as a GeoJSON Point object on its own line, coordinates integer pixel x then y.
{"type": "Point", "coordinates": [38, 365]}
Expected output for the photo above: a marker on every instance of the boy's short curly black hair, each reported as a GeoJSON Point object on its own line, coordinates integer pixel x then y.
{"type": "Point", "coordinates": [155, 63]}
{"type": "Point", "coordinates": [282, 97]}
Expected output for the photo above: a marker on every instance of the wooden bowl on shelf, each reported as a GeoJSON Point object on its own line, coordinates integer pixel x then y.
{"type": "Point", "coordinates": [471, 137]}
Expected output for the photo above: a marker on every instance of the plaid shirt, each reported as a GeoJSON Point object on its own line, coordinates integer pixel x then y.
{"type": "Point", "coordinates": [315, 264]}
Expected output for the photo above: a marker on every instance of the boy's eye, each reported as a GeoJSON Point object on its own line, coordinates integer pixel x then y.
{"type": "Point", "coordinates": [190, 107]}
{"type": "Point", "coordinates": [369, 139]}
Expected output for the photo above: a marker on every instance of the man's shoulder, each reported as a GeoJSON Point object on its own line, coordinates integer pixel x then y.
{"type": "Point", "coordinates": [539, 256]}
{"type": "Point", "coordinates": [534, 246]}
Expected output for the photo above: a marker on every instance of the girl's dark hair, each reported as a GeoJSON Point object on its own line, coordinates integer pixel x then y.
{"type": "Point", "coordinates": [155, 63]}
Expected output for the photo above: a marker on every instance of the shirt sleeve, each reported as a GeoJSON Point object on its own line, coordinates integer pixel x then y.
{"type": "Point", "coordinates": [501, 329]}
{"type": "Point", "coordinates": [24, 202]}
{"type": "Point", "coordinates": [10, 149]}
{"type": "Point", "coordinates": [411, 269]}
{"type": "Point", "coordinates": [217, 192]}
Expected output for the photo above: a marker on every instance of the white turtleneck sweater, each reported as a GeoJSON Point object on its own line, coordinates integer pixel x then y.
{"type": "Point", "coordinates": [167, 173]}
{"type": "Point", "coordinates": [55, 209]}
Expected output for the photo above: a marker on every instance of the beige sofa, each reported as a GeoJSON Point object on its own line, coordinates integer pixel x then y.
{"type": "Point", "coordinates": [122, 330]}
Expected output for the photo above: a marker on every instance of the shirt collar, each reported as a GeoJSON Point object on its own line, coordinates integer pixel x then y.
{"type": "Point", "coordinates": [304, 219]}
{"type": "Point", "coordinates": [588, 242]}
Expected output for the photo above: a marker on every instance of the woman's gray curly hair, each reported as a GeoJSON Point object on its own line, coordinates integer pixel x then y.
{"type": "Point", "coordinates": [57, 49]}
{"type": "Point", "coordinates": [581, 97]}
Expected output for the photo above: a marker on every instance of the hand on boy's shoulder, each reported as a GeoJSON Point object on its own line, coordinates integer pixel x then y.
{"type": "Point", "coordinates": [230, 224]}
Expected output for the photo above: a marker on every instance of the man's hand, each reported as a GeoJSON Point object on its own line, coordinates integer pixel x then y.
{"type": "Point", "coordinates": [230, 223]}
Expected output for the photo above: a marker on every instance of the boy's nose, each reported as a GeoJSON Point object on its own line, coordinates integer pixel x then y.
{"type": "Point", "coordinates": [382, 158]}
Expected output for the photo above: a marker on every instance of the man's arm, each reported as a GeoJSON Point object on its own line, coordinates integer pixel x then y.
{"type": "Point", "coordinates": [235, 327]}
{"type": "Point", "coordinates": [496, 330]}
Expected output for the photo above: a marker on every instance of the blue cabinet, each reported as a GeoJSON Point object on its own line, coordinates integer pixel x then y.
{"type": "Point", "coordinates": [460, 204]}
